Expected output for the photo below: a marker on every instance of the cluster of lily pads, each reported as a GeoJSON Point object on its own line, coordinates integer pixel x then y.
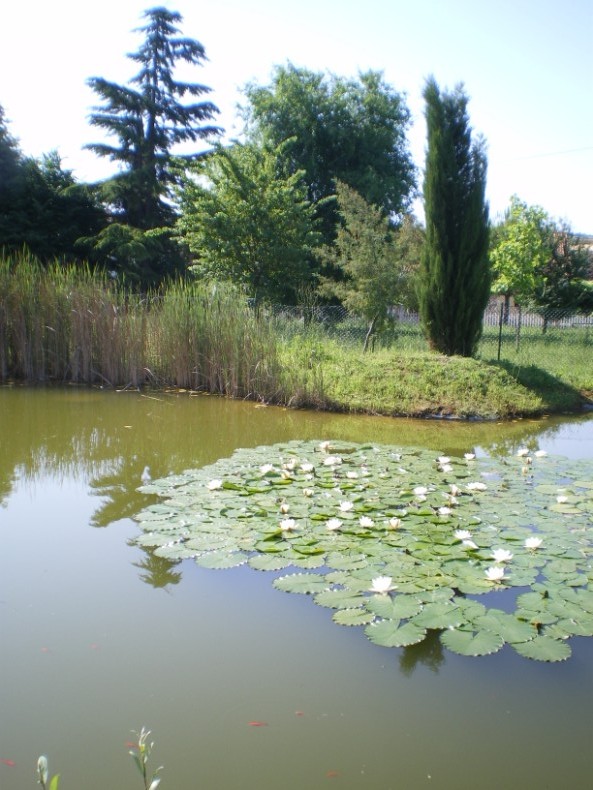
{"type": "Point", "coordinates": [399, 540]}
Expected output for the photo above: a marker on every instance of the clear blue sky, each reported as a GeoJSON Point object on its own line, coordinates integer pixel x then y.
{"type": "Point", "coordinates": [527, 66]}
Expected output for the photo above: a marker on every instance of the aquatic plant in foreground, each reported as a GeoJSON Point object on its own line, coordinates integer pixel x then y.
{"type": "Point", "coordinates": [43, 775]}
{"type": "Point", "coordinates": [449, 536]}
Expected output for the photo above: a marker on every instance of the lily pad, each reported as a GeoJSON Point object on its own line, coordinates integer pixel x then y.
{"type": "Point", "coordinates": [544, 648]}
{"type": "Point", "coordinates": [352, 617]}
{"type": "Point", "coordinates": [467, 642]}
{"type": "Point", "coordinates": [305, 583]}
{"type": "Point", "coordinates": [390, 633]}
{"type": "Point", "coordinates": [391, 519]}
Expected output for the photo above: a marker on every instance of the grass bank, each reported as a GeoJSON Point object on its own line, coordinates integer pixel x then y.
{"type": "Point", "coordinates": [423, 384]}
{"type": "Point", "coordinates": [68, 325]}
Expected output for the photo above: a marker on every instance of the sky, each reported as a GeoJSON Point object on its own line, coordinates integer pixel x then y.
{"type": "Point", "coordinates": [527, 67]}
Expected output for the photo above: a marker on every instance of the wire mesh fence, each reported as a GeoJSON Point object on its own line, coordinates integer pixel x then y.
{"type": "Point", "coordinates": [506, 333]}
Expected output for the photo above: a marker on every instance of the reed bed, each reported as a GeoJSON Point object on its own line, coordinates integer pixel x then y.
{"type": "Point", "coordinates": [63, 324]}
{"type": "Point", "coordinates": [68, 324]}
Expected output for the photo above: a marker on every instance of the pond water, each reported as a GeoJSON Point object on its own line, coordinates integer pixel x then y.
{"type": "Point", "coordinates": [99, 637]}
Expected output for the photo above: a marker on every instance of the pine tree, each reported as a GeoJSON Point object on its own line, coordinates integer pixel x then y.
{"type": "Point", "coordinates": [455, 272]}
{"type": "Point", "coordinates": [149, 119]}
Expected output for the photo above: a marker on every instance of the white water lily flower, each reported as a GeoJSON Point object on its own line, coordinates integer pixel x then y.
{"type": "Point", "coordinates": [455, 490]}
{"type": "Point", "coordinates": [346, 506]}
{"type": "Point", "coordinates": [469, 456]}
{"type": "Point", "coordinates": [469, 544]}
{"type": "Point", "coordinates": [382, 585]}
{"type": "Point", "coordinates": [266, 468]}
{"type": "Point", "coordinates": [365, 521]}
{"type": "Point", "coordinates": [444, 459]}
{"type": "Point", "coordinates": [540, 453]}
{"type": "Point", "coordinates": [420, 491]}
{"type": "Point", "coordinates": [477, 486]}
{"type": "Point", "coordinates": [522, 451]}
{"type": "Point", "coordinates": [446, 468]}
{"type": "Point", "coordinates": [333, 524]}
{"type": "Point", "coordinates": [324, 446]}
{"type": "Point", "coordinates": [452, 500]}
{"type": "Point", "coordinates": [214, 485]}
{"type": "Point", "coordinates": [352, 475]}
{"type": "Point", "coordinates": [495, 574]}
{"type": "Point", "coordinates": [289, 465]}
{"type": "Point", "coordinates": [561, 499]}
{"type": "Point", "coordinates": [502, 555]}
{"type": "Point", "coordinates": [462, 534]}
{"type": "Point", "coordinates": [308, 492]}
{"type": "Point", "coordinates": [306, 466]}
{"type": "Point", "coordinates": [284, 507]}
{"type": "Point", "coordinates": [287, 524]}
{"type": "Point", "coordinates": [533, 543]}
{"type": "Point", "coordinates": [445, 511]}
{"type": "Point", "coordinates": [395, 523]}
{"type": "Point", "coordinates": [332, 460]}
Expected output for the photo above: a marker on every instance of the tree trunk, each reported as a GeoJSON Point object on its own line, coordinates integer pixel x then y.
{"type": "Point", "coordinates": [370, 333]}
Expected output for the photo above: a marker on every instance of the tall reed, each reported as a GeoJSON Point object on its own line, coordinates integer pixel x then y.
{"type": "Point", "coordinates": [208, 338]}
{"type": "Point", "coordinates": [70, 324]}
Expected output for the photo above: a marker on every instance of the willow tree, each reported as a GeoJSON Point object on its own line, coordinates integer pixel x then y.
{"type": "Point", "coordinates": [454, 285]}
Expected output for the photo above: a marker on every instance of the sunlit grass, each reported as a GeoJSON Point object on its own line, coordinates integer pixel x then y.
{"type": "Point", "coordinates": [68, 324]}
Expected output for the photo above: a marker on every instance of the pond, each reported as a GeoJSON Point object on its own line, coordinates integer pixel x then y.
{"type": "Point", "coordinates": [99, 637]}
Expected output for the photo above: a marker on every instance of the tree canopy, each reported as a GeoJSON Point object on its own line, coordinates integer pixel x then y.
{"type": "Point", "coordinates": [455, 273]}
{"type": "Point", "coordinates": [148, 119]}
{"type": "Point", "coordinates": [345, 129]}
{"type": "Point", "coordinates": [537, 260]}
{"type": "Point", "coordinates": [42, 208]}
{"type": "Point", "coordinates": [247, 220]}
{"type": "Point", "coordinates": [520, 248]}
{"type": "Point", "coordinates": [375, 260]}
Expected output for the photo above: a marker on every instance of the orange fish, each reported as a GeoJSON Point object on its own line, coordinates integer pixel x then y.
{"type": "Point", "coordinates": [257, 723]}
{"type": "Point", "coordinates": [6, 761]}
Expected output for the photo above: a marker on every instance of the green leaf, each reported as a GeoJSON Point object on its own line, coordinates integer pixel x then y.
{"type": "Point", "coordinates": [221, 559]}
{"type": "Point", "coordinates": [304, 583]}
{"type": "Point", "coordinates": [394, 607]}
{"type": "Point", "coordinates": [505, 625]}
{"type": "Point", "coordinates": [389, 633]}
{"type": "Point", "coordinates": [467, 642]}
{"type": "Point", "coordinates": [352, 617]}
{"type": "Point", "coordinates": [339, 599]}
{"type": "Point", "coordinates": [439, 615]}
{"type": "Point", "coordinates": [431, 569]}
{"type": "Point", "coordinates": [268, 562]}
{"type": "Point", "coordinates": [544, 648]}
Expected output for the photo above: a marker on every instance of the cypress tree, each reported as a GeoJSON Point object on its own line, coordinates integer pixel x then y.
{"type": "Point", "coordinates": [455, 270]}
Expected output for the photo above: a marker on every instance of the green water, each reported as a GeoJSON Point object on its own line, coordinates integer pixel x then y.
{"type": "Point", "coordinates": [98, 638]}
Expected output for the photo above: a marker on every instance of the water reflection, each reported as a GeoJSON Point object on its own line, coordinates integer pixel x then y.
{"type": "Point", "coordinates": [157, 571]}
{"type": "Point", "coordinates": [429, 653]}
{"type": "Point", "coordinates": [221, 649]}
{"type": "Point", "coordinates": [108, 438]}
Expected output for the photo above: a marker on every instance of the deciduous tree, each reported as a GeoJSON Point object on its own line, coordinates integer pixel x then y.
{"type": "Point", "coordinates": [42, 207]}
{"type": "Point", "coordinates": [520, 248]}
{"type": "Point", "coordinates": [375, 260]}
{"type": "Point", "coordinates": [246, 220]}
{"type": "Point", "coordinates": [346, 129]}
